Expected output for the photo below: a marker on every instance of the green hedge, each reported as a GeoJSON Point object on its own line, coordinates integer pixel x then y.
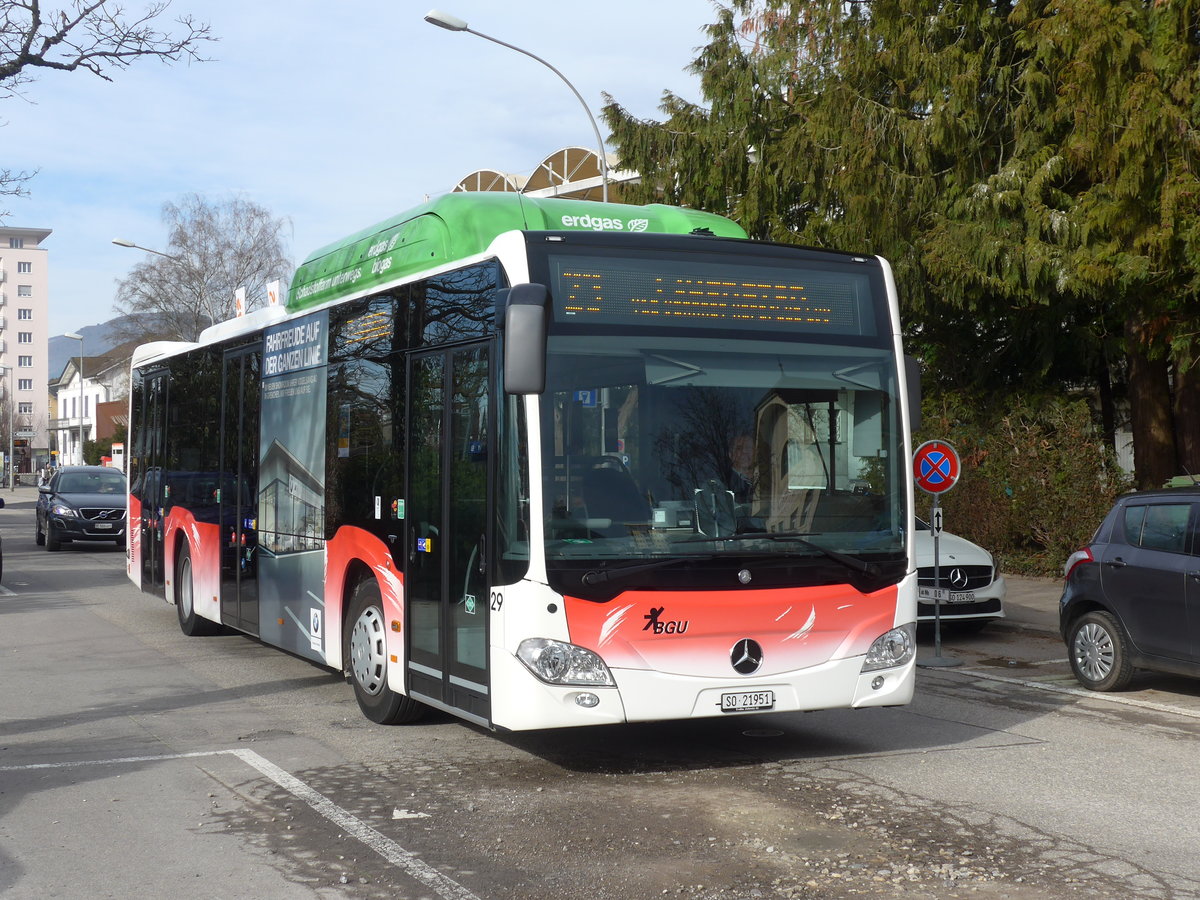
{"type": "Point", "coordinates": [1036, 479]}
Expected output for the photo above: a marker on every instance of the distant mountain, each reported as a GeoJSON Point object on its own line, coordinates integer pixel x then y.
{"type": "Point", "coordinates": [97, 340]}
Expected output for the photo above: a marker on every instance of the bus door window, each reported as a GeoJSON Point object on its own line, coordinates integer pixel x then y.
{"type": "Point", "coordinates": [148, 484]}
{"type": "Point", "coordinates": [424, 516]}
{"type": "Point", "coordinates": [447, 589]}
{"type": "Point", "coordinates": [239, 469]}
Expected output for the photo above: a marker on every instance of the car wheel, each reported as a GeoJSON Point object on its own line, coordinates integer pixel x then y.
{"type": "Point", "coordinates": [52, 540]}
{"type": "Point", "coordinates": [185, 598]}
{"type": "Point", "coordinates": [1100, 653]}
{"type": "Point", "coordinates": [39, 536]}
{"type": "Point", "coordinates": [364, 655]}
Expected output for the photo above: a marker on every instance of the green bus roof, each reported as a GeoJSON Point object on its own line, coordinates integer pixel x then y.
{"type": "Point", "coordinates": [461, 225]}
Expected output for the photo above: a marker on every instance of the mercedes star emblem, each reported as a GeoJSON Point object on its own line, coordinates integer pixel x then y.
{"type": "Point", "coordinates": [746, 656]}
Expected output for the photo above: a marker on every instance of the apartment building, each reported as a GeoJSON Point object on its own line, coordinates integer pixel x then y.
{"type": "Point", "coordinates": [24, 341]}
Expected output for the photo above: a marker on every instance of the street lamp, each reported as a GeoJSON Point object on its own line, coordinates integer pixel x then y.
{"type": "Point", "coordinates": [12, 484]}
{"type": "Point", "coordinates": [453, 23]}
{"type": "Point", "coordinates": [79, 337]}
{"type": "Point", "coordinates": [121, 242]}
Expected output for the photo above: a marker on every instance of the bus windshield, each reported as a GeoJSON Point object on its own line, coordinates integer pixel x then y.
{"type": "Point", "coordinates": [659, 446]}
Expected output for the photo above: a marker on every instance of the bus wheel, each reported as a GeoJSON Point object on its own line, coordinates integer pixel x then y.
{"type": "Point", "coordinates": [185, 599]}
{"type": "Point", "coordinates": [364, 652]}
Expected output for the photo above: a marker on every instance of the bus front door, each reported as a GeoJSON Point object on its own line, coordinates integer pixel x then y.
{"type": "Point", "coordinates": [446, 529]}
{"type": "Point", "coordinates": [240, 403]}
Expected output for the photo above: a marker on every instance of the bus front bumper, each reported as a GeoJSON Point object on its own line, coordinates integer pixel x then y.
{"type": "Point", "coordinates": [521, 701]}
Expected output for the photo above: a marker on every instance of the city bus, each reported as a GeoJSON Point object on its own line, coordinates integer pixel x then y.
{"type": "Point", "coordinates": [543, 463]}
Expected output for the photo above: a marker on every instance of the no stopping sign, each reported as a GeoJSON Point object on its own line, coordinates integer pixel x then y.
{"type": "Point", "coordinates": [936, 467]}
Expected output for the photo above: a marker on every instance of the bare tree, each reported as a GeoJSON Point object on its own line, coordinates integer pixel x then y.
{"type": "Point", "coordinates": [213, 248]}
{"type": "Point", "coordinates": [95, 35]}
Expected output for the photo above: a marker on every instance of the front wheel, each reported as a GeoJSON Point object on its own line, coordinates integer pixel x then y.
{"type": "Point", "coordinates": [1099, 653]}
{"type": "Point", "coordinates": [364, 655]}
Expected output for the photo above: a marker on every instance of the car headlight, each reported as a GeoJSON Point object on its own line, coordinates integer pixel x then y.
{"type": "Point", "coordinates": [557, 662]}
{"type": "Point", "coordinates": [894, 648]}
{"type": "Point", "coordinates": [61, 509]}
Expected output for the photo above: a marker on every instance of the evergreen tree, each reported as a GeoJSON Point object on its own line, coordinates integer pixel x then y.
{"type": "Point", "coordinates": [1028, 168]}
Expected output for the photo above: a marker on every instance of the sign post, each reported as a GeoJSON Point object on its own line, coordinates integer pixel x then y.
{"type": "Point", "coordinates": [936, 469]}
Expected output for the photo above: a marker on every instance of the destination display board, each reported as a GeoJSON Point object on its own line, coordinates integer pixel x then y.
{"type": "Point", "coordinates": [683, 292]}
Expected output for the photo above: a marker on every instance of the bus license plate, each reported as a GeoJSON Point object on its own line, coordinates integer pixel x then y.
{"type": "Point", "coordinates": [747, 700]}
{"type": "Point", "coordinates": [962, 597]}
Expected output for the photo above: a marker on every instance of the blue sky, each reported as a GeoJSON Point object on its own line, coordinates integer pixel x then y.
{"type": "Point", "coordinates": [333, 114]}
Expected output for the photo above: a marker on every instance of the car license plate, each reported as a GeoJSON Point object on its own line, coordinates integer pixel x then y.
{"type": "Point", "coordinates": [103, 526]}
{"type": "Point", "coordinates": [962, 597]}
{"type": "Point", "coordinates": [743, 701]}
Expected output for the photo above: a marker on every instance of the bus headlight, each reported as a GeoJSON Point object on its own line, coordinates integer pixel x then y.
{"type": "Point", "coordinates": [556, 662]}
{"type": "Point", "coordinates": [894, 648]}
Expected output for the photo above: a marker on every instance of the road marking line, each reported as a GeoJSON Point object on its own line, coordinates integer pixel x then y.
{"type": "Point", "coordinates": [5, 592]}
{"type": "Point", "coordinates": [1078, 692]}
{"type": "Point", "coordinates": [409, 862]}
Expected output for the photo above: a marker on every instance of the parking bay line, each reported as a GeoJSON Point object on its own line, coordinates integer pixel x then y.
{"type": "Point", "coordinates": [406, 860]}
{"type": "Point", "coordinates": [1076, 692]}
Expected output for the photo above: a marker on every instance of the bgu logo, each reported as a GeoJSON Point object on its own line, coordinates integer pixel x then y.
{"type": "Point", "coordinates": [658, 627]}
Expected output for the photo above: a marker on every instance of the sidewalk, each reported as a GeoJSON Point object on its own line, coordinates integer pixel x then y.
{"type": "Point", "coordinates": [1032, 603]}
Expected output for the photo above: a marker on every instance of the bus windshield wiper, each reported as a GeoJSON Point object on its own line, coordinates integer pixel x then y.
{"type": "Point", "coordinates": [599, 576]}
{"type": "Point", "coordinates": [798, 537]}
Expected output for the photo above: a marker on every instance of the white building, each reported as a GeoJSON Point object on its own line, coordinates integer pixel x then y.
{"type": "Point", "coordinates": [76, 400]}
{"type": "Point", "coordinates": [24, 341]}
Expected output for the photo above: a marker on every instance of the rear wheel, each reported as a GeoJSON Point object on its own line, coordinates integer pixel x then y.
{"type": "Point", "coordinates": [185, 598]}
{"type": "Point", "coordinates": [365, 658]}
{"type": "Point", "coordinates": [1100, 653]}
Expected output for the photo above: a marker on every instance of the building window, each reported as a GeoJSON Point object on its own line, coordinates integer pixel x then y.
{"type": "Point", "coordinates": [24, 384]}
{"type": "Point", "coordinates": [25, 409]}
{"type": "Point", "coordinates": [24, 362]}
{"type": "Point", "coordinates": [24, 290]}
{"type": "Point", "coordinates": [24, 337]}
{"type": "Point", "coordinates": [24, 268]}
{"type": "Point", "coordinates": [16, 243]}
{"type": "Point", "coordinates": [25, 314]}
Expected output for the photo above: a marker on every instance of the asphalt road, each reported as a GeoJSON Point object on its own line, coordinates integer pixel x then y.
{"type": "Point", "coordinates": [135, 762]}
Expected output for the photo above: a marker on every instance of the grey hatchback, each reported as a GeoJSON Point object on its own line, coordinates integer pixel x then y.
{"type": "Point", "coordinates": [1132, 595]}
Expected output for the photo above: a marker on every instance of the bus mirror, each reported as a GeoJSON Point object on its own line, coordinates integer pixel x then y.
{"type": "Point", "coordinates": [912, 376]}
{"type": "Point", "coordinates": [525, 340]}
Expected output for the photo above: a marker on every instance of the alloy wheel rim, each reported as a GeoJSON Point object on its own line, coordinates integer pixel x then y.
{"type": "Point", "coordinates": [1095, 654]}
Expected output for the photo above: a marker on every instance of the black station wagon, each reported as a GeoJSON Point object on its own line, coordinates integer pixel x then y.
{"type": "Point", "coordinates": [1132, 596]}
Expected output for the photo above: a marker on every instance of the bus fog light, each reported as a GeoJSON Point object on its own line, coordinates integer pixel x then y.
{"type": "Point", "coordinates": [557, 662]}
{"type": "Point", "coordinates": [876, 682]}
{"type": "Point", "coordinates": [893, 648]}
{"type": "Point", "coordinates": [587, 700]}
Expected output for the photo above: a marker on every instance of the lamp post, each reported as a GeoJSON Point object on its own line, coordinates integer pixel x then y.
{"type": "Point", "coordinates": [12, 484]}
{"type": "Point", "coordinates": [453, 23]}
{"type": "Point", "coordinates": [79, 337]}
